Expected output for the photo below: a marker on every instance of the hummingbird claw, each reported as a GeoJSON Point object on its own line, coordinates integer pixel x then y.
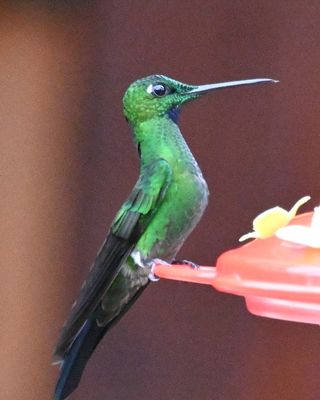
{"type": "Point", "coordinates": [158, 261]}
{"type": "Point", "coordinates": [137, 258]}
{"type": "Point", "coordinates": [152, 277]}
{"type": "Point", "coordinates": [187, 262]}
{"type": "Point", "coordinates": [152, 265]}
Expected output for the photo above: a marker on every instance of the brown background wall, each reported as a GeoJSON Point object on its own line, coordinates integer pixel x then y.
{"type": "Point", "coordinates": [67, 163]}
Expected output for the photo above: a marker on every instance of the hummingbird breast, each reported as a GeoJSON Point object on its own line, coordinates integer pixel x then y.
{"type": "Point", "coordinates": [179, 213]}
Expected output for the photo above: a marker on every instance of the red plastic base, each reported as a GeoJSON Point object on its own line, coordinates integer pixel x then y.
{"type": "Point", "coordinates": [278, 279]}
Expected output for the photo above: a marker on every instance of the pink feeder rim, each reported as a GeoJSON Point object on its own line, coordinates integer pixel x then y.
{"type": "Point", "coordinates": [278, 279]}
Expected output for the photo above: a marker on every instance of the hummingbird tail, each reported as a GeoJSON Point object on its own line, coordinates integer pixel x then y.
{"type": "Point", "coordinates": [76, 358]}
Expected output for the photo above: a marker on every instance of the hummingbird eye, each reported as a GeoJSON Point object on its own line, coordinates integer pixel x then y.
{"type": "Point", "coordinates": [158, 89]}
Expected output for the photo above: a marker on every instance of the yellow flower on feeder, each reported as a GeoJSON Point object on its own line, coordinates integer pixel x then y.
{"type": "Point", "coordinates": [268, 222]}
{"type": "Point", "coordinates": [301, 234]}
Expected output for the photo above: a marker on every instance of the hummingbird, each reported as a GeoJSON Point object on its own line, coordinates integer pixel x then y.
{"type": "Point", "coordinates": [165, 205]}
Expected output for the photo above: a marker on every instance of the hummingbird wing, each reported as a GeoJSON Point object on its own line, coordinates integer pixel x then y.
{"type": "Point", "coordinates": [127, 227]}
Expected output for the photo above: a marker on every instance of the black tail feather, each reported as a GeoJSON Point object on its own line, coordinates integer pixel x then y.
{"type": "Point", "coordinates": [76, 358]}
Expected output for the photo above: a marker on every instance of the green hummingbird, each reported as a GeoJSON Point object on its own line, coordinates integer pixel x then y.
{"type": "Point", "coordinates": [163, 208]}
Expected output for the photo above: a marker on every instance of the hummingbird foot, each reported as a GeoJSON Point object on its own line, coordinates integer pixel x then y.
{"type": "Point", "coordinates": [145, 263]}
{"type": "Point", "coordinates": [152, 265]}
{"type": "Point", "coordinates": [186, 262]}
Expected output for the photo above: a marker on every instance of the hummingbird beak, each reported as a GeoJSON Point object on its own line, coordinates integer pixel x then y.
{"type": "Point", "coordinates": [206, 88]}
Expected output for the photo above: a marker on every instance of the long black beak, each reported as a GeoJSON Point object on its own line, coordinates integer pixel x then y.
{"type": "Point", "coordinates": [214, 86]}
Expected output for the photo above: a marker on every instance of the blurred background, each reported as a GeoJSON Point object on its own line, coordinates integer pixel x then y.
{"type": "Point", "coordinates": [67, 162]}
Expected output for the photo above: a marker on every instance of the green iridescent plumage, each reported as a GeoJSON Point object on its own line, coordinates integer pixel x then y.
{"type": "Point", "coordinates": [164, 206]}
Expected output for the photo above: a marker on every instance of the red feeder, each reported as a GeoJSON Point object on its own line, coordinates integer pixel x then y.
{"type": "Point", "coordinates": [278, 279]}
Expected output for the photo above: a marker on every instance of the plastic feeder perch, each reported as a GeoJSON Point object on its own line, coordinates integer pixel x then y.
{"type": "Point", "coordinates": [278, 279]}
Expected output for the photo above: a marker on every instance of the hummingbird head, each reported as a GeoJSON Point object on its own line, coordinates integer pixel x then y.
{"type": "Point", "coordinates": [159, 96]}
{"type": "Point", "coordinates": [154, 96]}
